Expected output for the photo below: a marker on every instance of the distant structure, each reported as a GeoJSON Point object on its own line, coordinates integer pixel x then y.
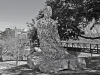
{"type": "Point", "coordinates": [21, 33]}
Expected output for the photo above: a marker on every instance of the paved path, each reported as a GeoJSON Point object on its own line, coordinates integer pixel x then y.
{"type": "Point", "coordinates": [82, 54]}
{"type": "Point", "coordinates": [9, 64]}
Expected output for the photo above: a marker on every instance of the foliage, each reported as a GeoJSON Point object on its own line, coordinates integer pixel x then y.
{"type": "Point", "coordinates": [32, 30]}
{"type": "Point", "coordinates": [13, 43]}
{"type": "Point", "coordinates": [7, 33]}
{"type": "Point", "coordinates": [70, 14]}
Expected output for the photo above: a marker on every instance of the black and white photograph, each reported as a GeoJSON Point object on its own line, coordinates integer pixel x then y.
{"type": "Point", "coordinates": [49, 37]}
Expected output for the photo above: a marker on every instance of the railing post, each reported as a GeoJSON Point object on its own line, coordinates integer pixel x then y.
{"type": "Point", "coordinates": [67, 46]}
{"type": "Point", "coordinates": [72, 46]}
{"type": "Point", "coordinates": [90, 50]}
{"type": "Point", "coordinates": [97, 49]}
{"type": "Point", "coordinates": [83, 47]}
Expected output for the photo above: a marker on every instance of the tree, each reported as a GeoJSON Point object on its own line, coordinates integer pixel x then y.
{"type": "Point", "coordinates": [71, 14]}
{"type": "Point", "coordinates": [32, 30]}
{"type": "Point", "coordinates": [13, 42]}
{"type": "Point", "coordinates": [5, 37]}
{"type": "Point", "coordinates": [7, 33]}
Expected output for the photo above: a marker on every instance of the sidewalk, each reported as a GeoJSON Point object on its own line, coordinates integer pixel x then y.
{"type": "Point", "coordinates": [87, 55]}
{"type": "Point", "coordinates": [9, 64]}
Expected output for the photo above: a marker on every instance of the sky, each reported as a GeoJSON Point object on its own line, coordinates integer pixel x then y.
{"type": "Point", "coordinates": [18, 12]}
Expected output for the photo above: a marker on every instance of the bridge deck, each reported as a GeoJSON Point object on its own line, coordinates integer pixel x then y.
{"type": "Point", "coordinates": [93, 47]}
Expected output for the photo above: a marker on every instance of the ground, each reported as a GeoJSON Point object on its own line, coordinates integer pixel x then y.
{"type": "Point", "coordinates": [10, 68]}
{"type": "Point", "coordinates": [23, 69]}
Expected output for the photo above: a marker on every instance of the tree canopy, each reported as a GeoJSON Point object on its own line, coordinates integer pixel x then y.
{"type": "Point", "coordinates": [71, 14]}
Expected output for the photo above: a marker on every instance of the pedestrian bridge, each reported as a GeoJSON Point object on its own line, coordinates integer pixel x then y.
{"type": "Point", "coordinates": [79, 46]}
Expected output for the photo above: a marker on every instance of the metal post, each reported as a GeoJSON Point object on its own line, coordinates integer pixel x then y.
{"type": "Point", "coordinates": [90, 50]}
{"type": "Point", "coordinates": [72, 46]}
{"type": "Point", "coordinates": [67, 47]}
{"type": "Point", "coordinates": [97, 49]}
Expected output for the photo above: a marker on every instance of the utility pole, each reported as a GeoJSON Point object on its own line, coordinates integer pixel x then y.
{"type": "Point", "coordinates": [16, 48]}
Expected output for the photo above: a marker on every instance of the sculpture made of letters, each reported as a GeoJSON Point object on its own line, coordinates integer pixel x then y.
{"type": "Point", "coordinates": [48, 35]}
{"type": "Point", "coordinates": [53, 57]}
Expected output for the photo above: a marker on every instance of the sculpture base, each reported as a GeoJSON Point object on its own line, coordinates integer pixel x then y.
{"type": "Point", "coordinates": [53, 66]}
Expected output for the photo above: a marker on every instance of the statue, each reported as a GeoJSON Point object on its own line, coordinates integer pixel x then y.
{"type": "Point", "coordinates": [48, 33]}
{"type": "Point", "coordinates": [53, 57]}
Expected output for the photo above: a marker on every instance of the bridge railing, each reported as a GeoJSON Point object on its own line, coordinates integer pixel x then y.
{"type": "Point", "coordinates": [83, 47]}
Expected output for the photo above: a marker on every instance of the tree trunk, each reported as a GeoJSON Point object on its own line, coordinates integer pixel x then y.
{"type": "Point", "coordinates": [1, 54]}
{"type": "Point", "coordinates": [1, 59]}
